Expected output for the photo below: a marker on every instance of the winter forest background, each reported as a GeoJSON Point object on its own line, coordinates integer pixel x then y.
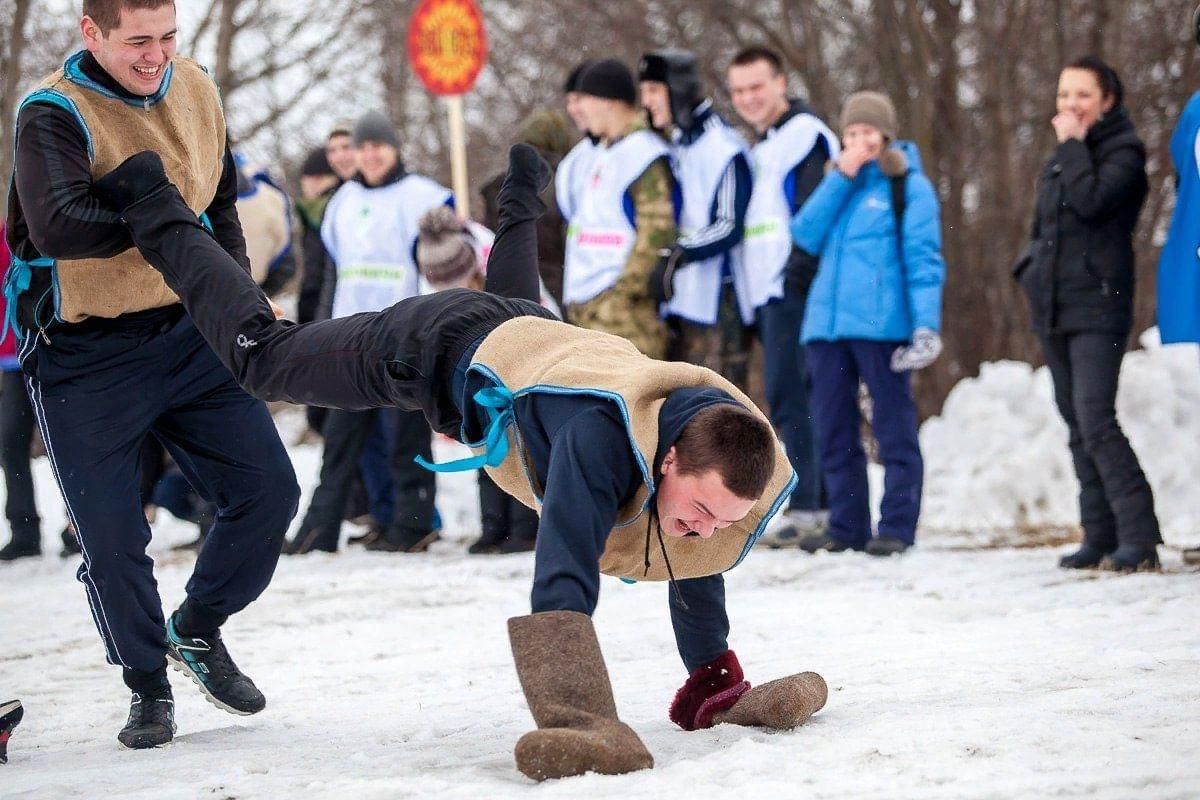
{"type": "Point", "coordinates": [973, 83]}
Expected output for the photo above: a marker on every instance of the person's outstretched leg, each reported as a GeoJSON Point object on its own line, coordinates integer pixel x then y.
{"type": "Point", "coordinates": [340, 363]}
{"type": "Point", "coordinates": [512, 265]}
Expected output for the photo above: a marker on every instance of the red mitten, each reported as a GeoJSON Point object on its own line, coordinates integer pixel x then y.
{"type": "Point", "coordinates": [714, 687]}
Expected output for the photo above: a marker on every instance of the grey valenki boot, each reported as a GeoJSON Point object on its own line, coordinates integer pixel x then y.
{"type": "Point", "coordinates": [782, 704]}
{"type": "Point", "coordinates": [566, 684]}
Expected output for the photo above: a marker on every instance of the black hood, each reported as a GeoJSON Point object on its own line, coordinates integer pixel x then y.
{"type": "Point", "coordinates": [681, 405]}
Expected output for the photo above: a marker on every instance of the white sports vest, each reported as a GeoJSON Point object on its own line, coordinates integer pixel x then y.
{"type": "Point", "coordinates": [600, 236]}
{"type": "Point", "coordinates": [758, 278]}
{"type": "Point", "coordinates": [701, 166]}
{"type": "Point", "coordinates": [370, 234]}
{"type": "Point", "coordinates": [571, 176]}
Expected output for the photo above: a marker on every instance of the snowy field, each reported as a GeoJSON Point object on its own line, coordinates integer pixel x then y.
{"type": "Point", "coordinates": [962, 670]}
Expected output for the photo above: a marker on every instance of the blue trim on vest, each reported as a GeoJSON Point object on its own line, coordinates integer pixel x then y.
{"type": "Point", "coordinates": [60, 100]}
{"type": "Point", "coordinates": [762, 526]}
{"type": "Point", "coordinates": [16, 283]}
{"type": "Point", "coordinates": [76, 76]}
{"type": "Point", "coordinates": [206, 222]}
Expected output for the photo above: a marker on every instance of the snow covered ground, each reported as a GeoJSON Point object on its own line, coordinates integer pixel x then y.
{"type": "Point", "coordinates": [955, 672]}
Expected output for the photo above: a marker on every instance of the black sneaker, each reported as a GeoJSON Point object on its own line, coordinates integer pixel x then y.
{"type": "Point", "coordinates": [1086, 557]}
{"type": "Point", "coordinates": [1132, 558]}
{"type": "Point", "coordinates": [822, 541]}
{"type": "Point", "coordinates": [403, 541]}
{"type": "Point", "coordinates": [15, 549]}
{"type": "Point", "coordinates": [151, 720]}
{"type": "Point", "coordinates": [10, 714]}
{"type": "Point", "coordinates": [886, 546]}
{"type": "Point", "coordinates": [1191, 555]}
{"type": "Point", "coordinates": [205, 660]}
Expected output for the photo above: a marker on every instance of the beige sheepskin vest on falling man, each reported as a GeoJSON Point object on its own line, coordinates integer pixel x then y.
{"type": "Point", "coordinates": [531, 354]}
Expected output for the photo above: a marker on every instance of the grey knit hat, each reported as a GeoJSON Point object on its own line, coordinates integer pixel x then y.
{"type": "Point", "coordinates": [445, 250]}
{"type": "Point", "coordinates": [870, 108]}
{"type": "Point", "coordinates": [374, 126]}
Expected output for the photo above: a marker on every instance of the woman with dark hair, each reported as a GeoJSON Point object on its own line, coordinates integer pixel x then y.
{"type": "Point", "coordinates": [1078, 272]}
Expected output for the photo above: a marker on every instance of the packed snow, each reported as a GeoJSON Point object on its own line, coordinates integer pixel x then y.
{"type": "Point", "coordinates": [961, 670]}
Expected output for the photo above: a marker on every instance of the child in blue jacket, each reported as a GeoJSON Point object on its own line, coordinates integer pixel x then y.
{"type": "Point", "coordinates": [873, 315]}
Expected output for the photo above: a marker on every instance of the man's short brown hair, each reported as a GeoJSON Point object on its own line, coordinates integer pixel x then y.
{"type": "Point", "coordinates": [107, 13]}
{"type": "Point", "coordinates": [735, 442]}
{"type": "Point", "coordinates": [751, 55]}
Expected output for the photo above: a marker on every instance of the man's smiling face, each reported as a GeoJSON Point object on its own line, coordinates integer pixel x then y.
{"type": "Point", "coordinates": [137, 51]}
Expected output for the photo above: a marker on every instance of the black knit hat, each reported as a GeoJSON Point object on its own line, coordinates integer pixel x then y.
{"type": "Point", "coordinates": [572, 82]}
{"type": "Point", "coordinates": [609, 79]}
{"type": "Point", "coordinates": [374, 126]}
{"type": "Point", "coordinates": [315, 163]}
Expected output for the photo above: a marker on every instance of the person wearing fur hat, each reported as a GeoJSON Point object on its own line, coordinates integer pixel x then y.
{"type": "Point", "coordinates": [370, 233]}
{"type": "Point", "coordinates": [873, 315]}
{"type": "Point", "coordinates": [625, 215]}
{"type": "Point", "coordinates": [641, 469]}
{"type": "Point", "coordinates": [693, 280]}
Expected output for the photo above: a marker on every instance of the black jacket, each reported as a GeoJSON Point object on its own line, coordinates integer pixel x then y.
{"type": "Point", "coordinates": [1078, 269]}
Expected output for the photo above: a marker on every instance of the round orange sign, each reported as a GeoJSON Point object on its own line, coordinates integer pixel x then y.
{"type": "Point", "coordinates": [447, 45]}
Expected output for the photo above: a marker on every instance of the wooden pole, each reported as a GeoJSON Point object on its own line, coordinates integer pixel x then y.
{"type": "Point", "coordinates": [458, 156]}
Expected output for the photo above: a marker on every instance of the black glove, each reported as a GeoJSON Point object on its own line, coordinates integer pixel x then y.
{"type": "Point", "coordinates": [798, 273]}
{"type": "Point", "coordinates": [134, 179]}
{"type": "Point", "coordinates": [661, 285]}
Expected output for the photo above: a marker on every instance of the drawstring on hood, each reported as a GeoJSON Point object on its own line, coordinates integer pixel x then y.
{"type": "Point", "coordinates": [652, 519]}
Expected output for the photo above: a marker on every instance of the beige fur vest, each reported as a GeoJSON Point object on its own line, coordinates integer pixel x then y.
{"type": "Point", "coordinates": [186, 128]}
{"type": "Point", "coordinates": [530, 354]}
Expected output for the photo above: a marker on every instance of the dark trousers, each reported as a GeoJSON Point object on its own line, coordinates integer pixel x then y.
{"type": "Point", "coordinates": [1116, 505]}
{"type": "Point", "coordinates": [503, 516]}
{"type": "Point", "coordinates": [16, 439]}
{"type": "Point", "coordinates": [787, 394]}
{"type": "Point", "coordinates": [98, 390]}
{"type": "Point", "coordinates": [724, 347]}
{"type": "Point", "coordinates": [836, 369]}
{"type": "Point", "coordinates": [345, 434]}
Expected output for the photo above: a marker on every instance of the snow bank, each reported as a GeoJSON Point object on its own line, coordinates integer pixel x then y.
{"type": "Point", "coordinates": [997, 464]}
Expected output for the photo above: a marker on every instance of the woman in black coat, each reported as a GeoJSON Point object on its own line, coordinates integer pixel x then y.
{"type": "Point", "coordinates": [1078, 272]}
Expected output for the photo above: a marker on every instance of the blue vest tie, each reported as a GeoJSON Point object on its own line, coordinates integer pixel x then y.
{"type": "Point", "coordinates": [498, 402]}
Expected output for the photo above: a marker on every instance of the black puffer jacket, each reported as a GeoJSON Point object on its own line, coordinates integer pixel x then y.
{"type": "Point", "coordinates": [1078, 269]}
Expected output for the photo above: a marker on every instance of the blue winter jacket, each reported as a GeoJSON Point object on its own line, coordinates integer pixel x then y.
{"type": "Point", "coordinates": [1179, 263]}
{"type": "Point", "coordinates": [863, 288]}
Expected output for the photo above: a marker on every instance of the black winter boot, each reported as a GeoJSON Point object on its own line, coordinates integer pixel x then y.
{"type": "Point", "coordinates": [20, 547]}
{"type": "Point", "coordinates": [1132, 558]}
{"type": "Point", "coordinates": [1086, 557]}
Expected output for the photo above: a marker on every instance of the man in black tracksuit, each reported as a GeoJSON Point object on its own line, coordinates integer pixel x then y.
{"type": "Point", "coordinates": [110, 358]}
{"type": "Point", "coordinates": [419, 354]}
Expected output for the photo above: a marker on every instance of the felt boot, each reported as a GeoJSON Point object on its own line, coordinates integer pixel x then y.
{"type": "Point", "coordinates": [566, 684]}
{"type": "Point", "coordinates": [781, 704]}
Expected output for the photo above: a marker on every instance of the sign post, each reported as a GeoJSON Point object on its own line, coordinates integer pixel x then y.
{"type": "Point", "coordinates": [447, 47]}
